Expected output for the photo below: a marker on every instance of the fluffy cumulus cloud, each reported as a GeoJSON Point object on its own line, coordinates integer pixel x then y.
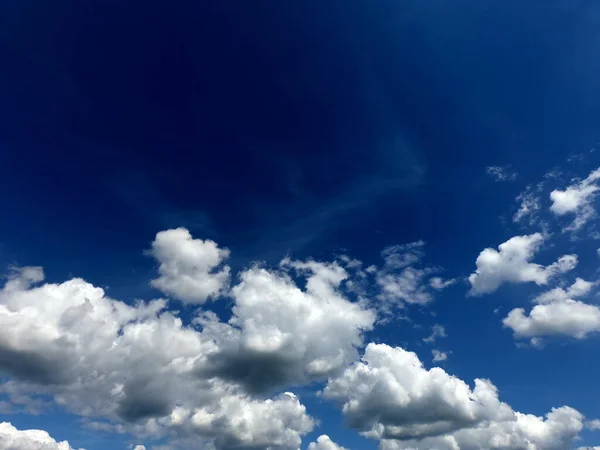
{"type": "Point", "coordinates": [13, 439]}
{"type": "Point", "coordinates": [511, 263]}
{"type": "Point", "coordinates": [132, 366]}
{"type": "Point", "coordinates": [557, 312]}
{"type": "Point", "coordinates": [390, 396]}
{"type": "Point", "coordinates": [222, 384]}
{"type": "Point", "coordinates": [556, 431]}
{"type": "Point", "coordinates": [577, 200]}
{"type": "Point", "coordinates": [139, 369]}
{"type": "Point", "coordinates": [190, 269]}
{"type": "Point", "coordinates": [281, 334]}
{"type": "Point", "coordinates": [324, 443]}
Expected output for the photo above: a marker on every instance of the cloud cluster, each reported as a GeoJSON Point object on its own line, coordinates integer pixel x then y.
{"type": "Point", "coordinates": [13, 439]}
{"type": "Point", "coordinates": [390, 396]}
{"type": "Point", "coordinates": [511, 263]}
{"type": "Point", "coordinates": [557, 313]}
{"type": "Point", "coordinates": [139, 368]}
{"type": "Point", "coordinates": [577, 199]}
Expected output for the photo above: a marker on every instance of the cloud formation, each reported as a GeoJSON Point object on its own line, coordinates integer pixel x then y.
{"type": "Point", "coordinates": [439, 356]}
{"type": "Point", "coordinates": [189, 268]}
{"type": "Point", "coordinates": [577, 199]}
{"type": "Point", "coordinates": [324, 443]}
{"type": "Point", "coordinates": [136, 367]}
{"type": "Point", "coordinates": [511, 263]}
{"type": "Point", "coordinates": [501, 173]}
{"type": "Point", "coordinates": [529, 207]}
{"type": "Point", "coordinates": [403, 279]}
{"type": "Point", "coordinates": [558, 430]}
{"type": "Point", "coordinates": [557, 313]}
{"type": "Point", "coordinates": [139, 369]}
{"type": "Point", "coordinates": [281, 334]}
{"type": "Point", "coordinates": [436, 331]}
{"type": "Point", "coordinates": [390, 396]}
{"type": "Point", "coordinates": [13, 439]}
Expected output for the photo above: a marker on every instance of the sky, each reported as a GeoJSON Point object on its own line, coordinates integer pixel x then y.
{"type": "Point", "coordinates": [299, 225]}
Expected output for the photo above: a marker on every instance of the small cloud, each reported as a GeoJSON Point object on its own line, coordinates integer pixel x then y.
{"type": "Point", "coordinates": [436, 332]}
{"type": "Point", "coordinates": [577, 200]}
{"type": "Point", "coordinates": [511, 263]}
{"type": "Point", "coordinates": [501, 173]}
{"type": "Point", "coordinates": [438, 283]}
{"type": "Point", "coordinates": [593, 424]}
{"type": "Point", "coordinates": [439, 356]}
{"type": "Point", "coordinates": [529, 206]}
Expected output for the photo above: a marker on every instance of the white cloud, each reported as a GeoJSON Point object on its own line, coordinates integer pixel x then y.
{"type": "Point", "coordinates": [436, 331]}
{"type": "Point", "coordinates": [389, 395]}
{"type": "Point", "coordinates": [287, 335]}
{"type": "Point", "coordinates": [439, 355]}
{"type": "Point", "coordinates": [189, 268]}
{"type": "Point", "coordinates": [529, 206]}
{"type": "Point", "coordinates": [134, 368]}
{"type": "Point", "coordinates": [324, 443]}
{"type": "Point", "coordinates": [511, 264]}
{"type": "Point", "coordinates": [139, 369]}
{"type": "Point", "coordinates": [557, 313]}
{"type": "Point", "coordinates": [13, 439]}
{"type": "Point", "coordinates": [593, 424]}
{"type": "Point", "coordinates": [557, 431]}
{"type": "Point", "coordinates": [438, 283]}
{"type": "Point", "coordinates": [400, 280]}
{"type": "Point", "coordinates": [577, 199]}
{"type": "Point", "coordinates": [501, 173]}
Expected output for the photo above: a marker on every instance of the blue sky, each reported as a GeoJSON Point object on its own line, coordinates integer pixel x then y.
{"type": "Point", "coordinates": [182, 152]}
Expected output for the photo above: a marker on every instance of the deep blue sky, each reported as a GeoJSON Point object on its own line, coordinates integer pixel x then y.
{"type": "Point", "coordinates": [308, 128]}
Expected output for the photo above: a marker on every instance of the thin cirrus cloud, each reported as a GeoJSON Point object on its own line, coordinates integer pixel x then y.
{"type": "Point", "coordinates": [501, 173]}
